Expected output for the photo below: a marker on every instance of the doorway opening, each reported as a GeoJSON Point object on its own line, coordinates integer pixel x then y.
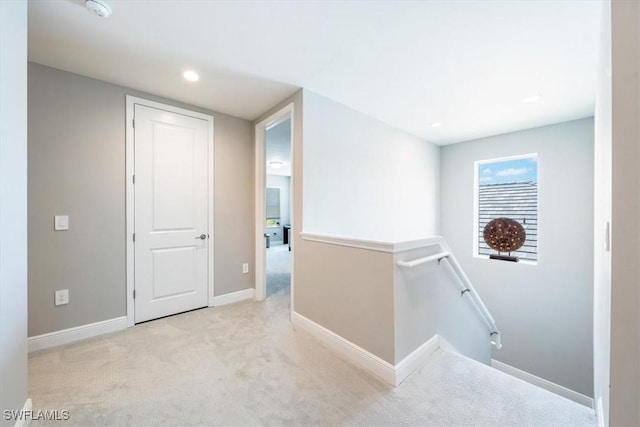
{"type": "Point", "coordinates": [274, 205]}
{"type": "Point", "coordinates": [278, 208]}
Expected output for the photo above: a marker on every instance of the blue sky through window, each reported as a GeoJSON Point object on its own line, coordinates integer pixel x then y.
{"type": "Point", "coordinates": [503, 171]}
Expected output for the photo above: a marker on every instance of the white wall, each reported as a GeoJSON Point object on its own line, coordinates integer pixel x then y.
{"type": "Point", "coordinates": [13, 206]}
{"type": "Point", "coordinates": [284, 184]}
{"type": "Point", "coordinates": [625, 239]}
{"type": "Point", "coordinates": [365, 179]}
{"type": "Point", "coordinates": [602, 215]}
{"type": "Point", "coordinates": [544, 311]}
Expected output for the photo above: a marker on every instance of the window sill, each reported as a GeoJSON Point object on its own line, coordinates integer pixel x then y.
{"type": "Point", "coordinates": [522, 261]}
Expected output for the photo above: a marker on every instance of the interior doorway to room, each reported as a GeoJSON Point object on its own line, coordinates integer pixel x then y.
{"type": "Point", "coordinates": [278, 208]}
{"type": "Point", "coordinates": [274, 206]}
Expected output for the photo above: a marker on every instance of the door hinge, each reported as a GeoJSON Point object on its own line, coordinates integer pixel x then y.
{"type": "Point", "coordinates": [134, 237]}
{"type": "Point", "coordinates": [134, 294]}
{"type": "Point", "coordinates": [134, 178]}
{"type": "Point", "coordinates": [133, 122]}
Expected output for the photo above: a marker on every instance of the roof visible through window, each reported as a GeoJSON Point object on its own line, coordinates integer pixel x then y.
{"type": "Point", "coordinates": [508, 188]}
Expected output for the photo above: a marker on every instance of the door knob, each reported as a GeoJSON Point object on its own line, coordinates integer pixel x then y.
{"type": "Point", "coordinates": [202, 237]}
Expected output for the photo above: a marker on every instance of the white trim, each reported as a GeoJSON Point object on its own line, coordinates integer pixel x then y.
{"type": "Point", "coordinates": [416, 359]}
{"type": "Point", "coordinates": [393, 375]}
{"type": "Point", "coordinates": [292, 212]}
{"type": "Point", "coordinates": [476, 203]}
{"type": "Point", "coordinates": [351, 242]}
{"type": "Point", "coordinates": [65, 336]}
{"type": "Point", "coordinates": [260, 212]}
{"type": "Point", "coordinates": [130, 195]}
{"type": "Point", "coordinates": [397, 247]}
{"type": "Point", "coordinates": [542, 383]}
{"type": "Point", "coordinates": [447, 346]}
{"type": "Point", "coordinates": [260, 183]}
{"type": "Point", "coordinates": [599, 413]}
{"type": "Point", "coordinates": [234, 297]}
{"type": "Point", "coordinates": [361, 357]}
{"type": "Point", "coordinates": [129, 206]}
{"type": "Point", "coordinates": [24, 420]}
{"type": "Point", "coordinates": [211, 208]}
{"type": "Point", "coordinates": [372, 245]}
{"type": "Point", "coordinates": [520, 262]}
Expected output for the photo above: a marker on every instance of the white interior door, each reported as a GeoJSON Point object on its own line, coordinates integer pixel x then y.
{"type": "Point", "coordinates": [171, 212]}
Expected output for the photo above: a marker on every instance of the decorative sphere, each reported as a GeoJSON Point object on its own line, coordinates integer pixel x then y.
{"type": "Point", "coordinates": [504, 234]}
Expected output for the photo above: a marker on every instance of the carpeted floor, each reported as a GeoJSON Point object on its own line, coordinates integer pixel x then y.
{"type": "Point", "coordinates": [244, 364]}
{"type": "Point", "coordinates": [278, 268]}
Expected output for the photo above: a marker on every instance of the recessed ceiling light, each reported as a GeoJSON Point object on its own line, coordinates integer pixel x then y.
{"type": "Point", "coordinates": [532, 98]}
{"type": "Point", "coordinates": [435, 124]}
{"type": "Point", "coordinates": [276, 164]}
{"type": "Point", "coordinates": [191, 76]}
{"type": "Point", "coordinates": [98, 7]}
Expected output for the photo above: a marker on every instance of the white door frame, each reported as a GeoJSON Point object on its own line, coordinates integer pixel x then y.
{"type": "Point", "coordinates": [130, 195]}
{"type": "Point", "coordinates": [260, 174]}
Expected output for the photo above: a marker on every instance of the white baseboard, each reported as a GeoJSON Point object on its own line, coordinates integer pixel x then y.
{"type": "Point", "coordinates": [25, 421]}
{"type": "Point", "coordinates": [65, 336]}
{"type": "Point", "coordinates": [371, 363]}
{"type": "Point", "coordinates": [234, 297]}
{"type": "Point", "coordinates": [358, 355]}
{"type": "Point", "coordinates": [542, 383]}
{"type": "Point", "coordinates": [416, 359]}
{"type": "Point", "coordinates": [447, 346]}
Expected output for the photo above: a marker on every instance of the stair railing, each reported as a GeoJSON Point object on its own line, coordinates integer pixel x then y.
{"type": "Point", "coordinates": [466, 286]}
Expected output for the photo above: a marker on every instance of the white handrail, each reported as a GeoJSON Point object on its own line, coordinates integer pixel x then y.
{"type": "Point", "coordinates": [466, 286]}
{"type": "Point", "coordinates": [423, 260]}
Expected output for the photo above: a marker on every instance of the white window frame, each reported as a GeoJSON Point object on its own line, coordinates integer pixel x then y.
{"type": "Point", "coordinates": [476, 203]}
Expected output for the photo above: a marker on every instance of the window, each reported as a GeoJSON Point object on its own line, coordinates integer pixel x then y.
{"type": "Point", "coordinates": [508, 188]}
{"type": "Point", "coordinates": [273, 222]}
{"type": "Point", "coordinates": [273, 207]}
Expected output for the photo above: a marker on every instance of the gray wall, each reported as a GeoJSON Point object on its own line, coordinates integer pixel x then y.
{"type": "Point", "coordinates": [544, 311]}
{"type": "Point", "coordinates": [625, 286]}
{"type": "Point", "coordinates": [348, 291]}
{"type": "Point", "coordinates": [233, 200]}
{"type": "Point", "coordinates": [77, 168]}
{"type": "Point", "coordinates": [13, 207]}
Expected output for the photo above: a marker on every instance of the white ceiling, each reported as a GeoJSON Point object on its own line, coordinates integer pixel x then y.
{"type": "Point", "coordinates": [465, 64]}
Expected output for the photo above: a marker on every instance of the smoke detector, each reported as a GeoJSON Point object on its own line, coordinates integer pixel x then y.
{"type": "Point", "coordinates": [98, 7]}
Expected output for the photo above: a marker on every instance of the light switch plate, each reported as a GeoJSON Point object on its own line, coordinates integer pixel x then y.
{"type": "Point", "coordinates": [61, 222]}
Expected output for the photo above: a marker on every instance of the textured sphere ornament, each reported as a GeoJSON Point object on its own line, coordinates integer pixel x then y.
{"type": "Point", "coordinates": [504, 234]}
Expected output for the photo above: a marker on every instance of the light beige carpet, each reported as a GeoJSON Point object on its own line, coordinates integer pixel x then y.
{"type": "Point", "coordinates": [246, 365]}
{"type": "Point", "coordinates": [278, 268]}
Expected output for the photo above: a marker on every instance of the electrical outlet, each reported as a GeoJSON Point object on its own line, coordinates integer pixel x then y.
{"type": "Point", "coordinates": [62, 297]}
{"type": "Point", "coordinates": [245, 268]}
